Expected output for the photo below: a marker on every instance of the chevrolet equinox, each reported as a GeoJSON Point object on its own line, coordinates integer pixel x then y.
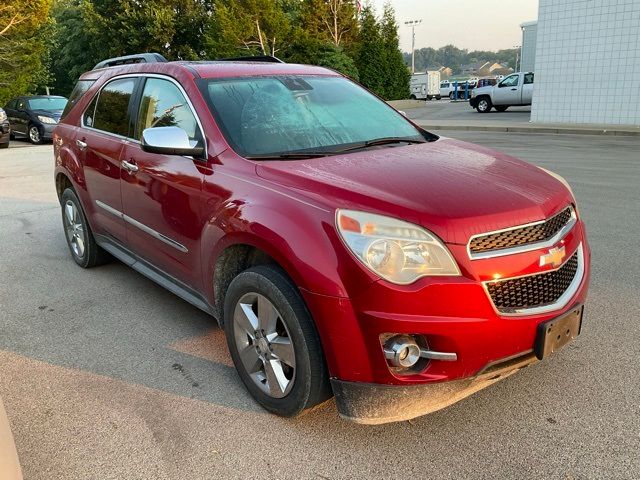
{"type": "Point", "coordinates": [344, 250]}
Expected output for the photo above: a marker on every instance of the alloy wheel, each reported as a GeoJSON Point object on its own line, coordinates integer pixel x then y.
{"type": "Point", "coordinates": [483, 105]}
{"type": "Point", "coordinates": [74, 229]}
{"type": "Point", "coordinates": [264, 345]}
{"type": "Point", "coordinates": [34, 134]}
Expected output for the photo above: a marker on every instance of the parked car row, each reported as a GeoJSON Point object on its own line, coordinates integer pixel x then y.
{"type": "Point", "coordinates": [30, 117]}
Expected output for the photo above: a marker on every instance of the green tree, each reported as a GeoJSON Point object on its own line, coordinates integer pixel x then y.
{"type": "Point", "coordinates": [323, 54]}
{"type": "Point", "coordinates": [396, 75]}
{"type": "Point", "coordinates": [330, 21]}
{"type": "Point", "coordinates": [76, 50]}
{"type": "Point", "coordinates": [24, 49]}
{"type": "Point", "coordinates": [248, 27]}
{"type": "Point", "coordinates": [369, 53]}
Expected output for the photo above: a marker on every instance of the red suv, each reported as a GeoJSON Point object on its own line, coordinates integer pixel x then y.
{"type": "Point", "coordinates": [344, 250]}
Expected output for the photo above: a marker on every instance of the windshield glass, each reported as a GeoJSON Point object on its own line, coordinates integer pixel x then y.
{"type": "Point", "coordinates": [47, 103]}
{"type": "Point", "coordinates": [295, 114]}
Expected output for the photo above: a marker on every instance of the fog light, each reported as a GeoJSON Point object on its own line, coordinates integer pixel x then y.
{"type": "Point", "coordinates": [402, 351]}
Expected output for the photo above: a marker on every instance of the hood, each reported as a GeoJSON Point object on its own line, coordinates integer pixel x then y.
{"type": "Point", "coordinates": [485, 89]}
{"type": "Point", "coordinates": [55, 114]}
{"type": "Point", "coordinates": [452, 188]}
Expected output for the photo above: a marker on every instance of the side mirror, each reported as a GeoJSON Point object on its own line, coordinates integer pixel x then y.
{"type": "Point", "coordinates": [169, 141]}
{"type": "Point", "coordinates": [402, 112]}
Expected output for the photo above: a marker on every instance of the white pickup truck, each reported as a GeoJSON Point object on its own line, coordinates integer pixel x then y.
{"type": "Point", "coordinates": [514, 90]}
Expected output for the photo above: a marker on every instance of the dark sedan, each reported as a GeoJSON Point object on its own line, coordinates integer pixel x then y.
{"type": "Point", "coordinates": [4, 129]}
{"type": "Point", "coordinates": [34, 117]}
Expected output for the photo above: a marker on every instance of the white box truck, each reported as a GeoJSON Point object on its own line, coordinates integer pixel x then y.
{"type": "Point", "coordinates": [425, 86]}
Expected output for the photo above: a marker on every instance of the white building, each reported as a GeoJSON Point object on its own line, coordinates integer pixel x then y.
{"type": "Point", "coordinates": [528, 49]}
{"type": "Point", "coordinates": [587, 62]}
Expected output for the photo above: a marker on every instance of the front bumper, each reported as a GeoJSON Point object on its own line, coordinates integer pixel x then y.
{"type": "Point", "coordinates": [453, 314]}
{"type": "Point", "coordinates": [46, 129]}
{"type": "Point", "coordinates": [473, 101]}
{"type": "Point", "coordinates": [373, 404]}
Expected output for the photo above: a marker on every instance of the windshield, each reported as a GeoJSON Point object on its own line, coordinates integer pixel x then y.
{"type": "Point", "coordinates": [263, 116]}
{"type": "Point", "coordinates": [51, 104]}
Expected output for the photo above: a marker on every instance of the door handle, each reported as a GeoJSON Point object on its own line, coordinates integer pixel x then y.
{"type": "Point", "coordinates": [81, 145]}
{"type": "Point", "coordinates": [130, 167]}
{"type": "Point", "coordinates": [514, 89]}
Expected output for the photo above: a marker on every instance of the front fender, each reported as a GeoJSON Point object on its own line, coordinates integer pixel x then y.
{"type": "Point", "coordinates": [300, 237]}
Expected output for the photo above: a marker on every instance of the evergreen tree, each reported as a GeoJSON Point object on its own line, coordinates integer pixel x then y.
{"type": "Point", "coordinates": [370, 53]}
{"type": "Point", "coordinates": [396, 85]}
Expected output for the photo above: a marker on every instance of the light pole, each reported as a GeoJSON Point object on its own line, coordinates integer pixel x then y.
{"type": "Point", "coordinates": [413, 24]}
{"type": "Point", "coordinates": [517, 47]}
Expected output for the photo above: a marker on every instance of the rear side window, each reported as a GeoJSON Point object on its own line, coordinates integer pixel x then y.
{"type": "Point", "coordinates": [78, 91]}
{"type": "Point", "coordinates": [112, 107]}
{"type": "Point", "coordinates": [528, 78]}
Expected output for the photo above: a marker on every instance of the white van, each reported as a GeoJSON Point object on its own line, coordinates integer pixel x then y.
{"type": "Point", "coordinates": [425, 86]}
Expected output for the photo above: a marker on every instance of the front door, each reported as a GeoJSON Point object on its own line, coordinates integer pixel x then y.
{"type": "Point", "coordinates": [508, 91]}
{"type": "Point", "coordinates": [18, 116]}
{"type": "Point", "coordinates": [162, 194]}
{"type": "Point", "coordinates": [100, 142]}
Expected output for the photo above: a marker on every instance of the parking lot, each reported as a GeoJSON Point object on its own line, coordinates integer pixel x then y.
{"type": "Point", "coordinates": [461, 112]}
{"type": "Point", "coordinates": [105, 375]}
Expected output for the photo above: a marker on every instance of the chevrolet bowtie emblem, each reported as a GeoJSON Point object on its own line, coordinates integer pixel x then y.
{"type": "Point", "coordinates": [554, 257]}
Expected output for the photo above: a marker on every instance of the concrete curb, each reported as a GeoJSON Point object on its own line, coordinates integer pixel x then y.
{"type": "Point", "coordinates": [531, 129]}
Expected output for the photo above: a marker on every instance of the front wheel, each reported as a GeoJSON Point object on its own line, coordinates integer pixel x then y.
{"type": "Point", "coordinates": [273, 342]}
{"type": "Point", "coordinates": [34, 135]}
{"type": "Point", "coordinates": [501, 108]}
{"type": "Point", "coordinates": [484, 105]}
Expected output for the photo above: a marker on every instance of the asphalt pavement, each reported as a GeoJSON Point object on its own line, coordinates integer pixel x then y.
{"type": "Point", "coordinates": [105, 375]}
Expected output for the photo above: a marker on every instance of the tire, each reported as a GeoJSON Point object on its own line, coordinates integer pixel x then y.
{"type": "Point", "coordinates": [438, 97]}
{"type": "Point", "coordinates": [256, 342]}
{"type": "Point", "coordinates": [82, 245]}
{"type": "Point", "coordinates": [412, 97]}
{"type": "Point", "coordinates": [34, 135]}
{"type": "Point", "coordinates": [501, 108]}
{"type": "Point", "coordinates": [4, 145]}
{"type": "Point", "coordinates": [451, 96]}
{"type": "Point", "coordinates": [484, 104]}
{"type": "Point", "coordinates": [429, 97]}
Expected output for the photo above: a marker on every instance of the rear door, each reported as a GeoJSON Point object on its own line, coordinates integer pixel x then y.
{"type": "Point", "coordinates": [100, 141]}
{"type": "Point", "coordinates": [18, 116]}
{"type": "Point", "coordinates": [162, 194]}
{"type": "Point", "coordinates": [508, 91]}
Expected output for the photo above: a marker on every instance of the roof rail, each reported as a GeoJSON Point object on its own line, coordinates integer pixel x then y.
{"type": "Point", "coordinates": [137, 58]}
{"type": "Point", "coordinates": [258, 58]}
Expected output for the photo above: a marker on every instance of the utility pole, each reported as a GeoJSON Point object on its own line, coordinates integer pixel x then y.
{"type": "Point", "coordinates": [517, 47]}
{"type": "Point", "coordinates": [413, 24]}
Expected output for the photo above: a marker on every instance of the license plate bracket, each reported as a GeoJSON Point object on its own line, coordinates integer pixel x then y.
{"type": "Point", "coordinates": [556, 333]}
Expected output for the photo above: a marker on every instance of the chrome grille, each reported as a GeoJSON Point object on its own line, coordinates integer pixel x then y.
{"type": "Point", "coordinates": [520, 236]}
{"type": "Point", "coordinates": [512, 295]}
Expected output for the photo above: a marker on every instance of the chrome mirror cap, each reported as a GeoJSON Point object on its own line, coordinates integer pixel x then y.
{"type": "Point", "coordinates": [169, 141]}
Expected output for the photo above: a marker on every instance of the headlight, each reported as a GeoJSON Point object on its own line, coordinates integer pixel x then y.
{"type": "Point", "coordinates": [473, 93]}
{"type": "Point", "coordinates": [3, 115]}
{"type": "Point", "coordinates": [398, 251]}
{"type": "Point", "coordinates": [46, 119]}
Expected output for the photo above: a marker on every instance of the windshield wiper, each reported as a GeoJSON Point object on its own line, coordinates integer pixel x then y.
{"type": "Point", "coordinates": [378, 142]}
{"type": "Point", "coordinates": [290, 156]}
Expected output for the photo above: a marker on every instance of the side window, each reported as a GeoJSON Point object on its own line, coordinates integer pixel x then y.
{"type": "Point", "coordinates": [510, 81]}
{"type": "Point", "coordinates": [111, 112]}
{"type": "Point", "coordinates": [78, 91]}
{"type": "Point", "coordinates": [528, 78]}
{"type": "Point", "coordinates": [22, 105]}
{"type": "Point", "coordinates": [89, 113]}
{"type": "Point", "coordinates": [164, 105]}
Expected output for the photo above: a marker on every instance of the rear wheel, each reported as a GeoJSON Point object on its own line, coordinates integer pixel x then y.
{"type": "Point", "coordinates": [273, 342]}
{"type": "Point", "coordinates": [83, 247]}
{"type": "Point", "coordinates": [501, 108]}
{"type": "Point", "coordinates": [451, 95]}
{"type": "Point", "coordinates": [484, 105]}
{"type": "Point", "coordinates": [438, 97]}
{"type": "Point", "coordinates": [412, 97]}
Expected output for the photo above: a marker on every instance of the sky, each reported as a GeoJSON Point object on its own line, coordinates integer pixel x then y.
{"type": "Point", "coordinates": [474, 24]}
